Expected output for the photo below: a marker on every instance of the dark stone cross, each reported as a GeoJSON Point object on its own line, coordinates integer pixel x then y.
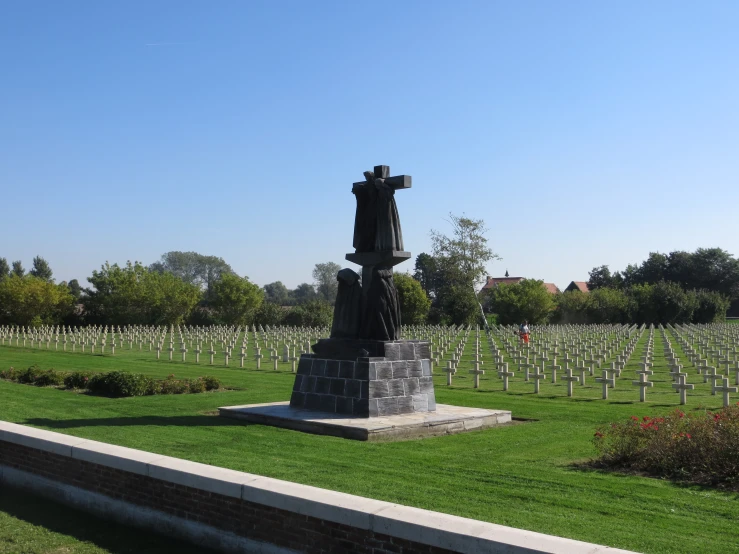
{"type": "Point", "coordinates": [383, 172]}
{"type": "Point", "coordinates": [377, 224]}
{"type": "Point", "coordinates": [378, 239]}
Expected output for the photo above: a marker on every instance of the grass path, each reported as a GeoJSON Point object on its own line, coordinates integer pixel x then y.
{"type": "Point", "coordinates": [520, 475]}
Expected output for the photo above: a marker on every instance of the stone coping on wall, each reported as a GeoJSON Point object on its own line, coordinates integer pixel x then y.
{"type": "Point", "coordinates": [412, 524]}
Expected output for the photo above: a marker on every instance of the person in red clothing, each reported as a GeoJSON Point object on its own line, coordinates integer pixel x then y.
{"type": "Point", "coordinates": [524, 332]}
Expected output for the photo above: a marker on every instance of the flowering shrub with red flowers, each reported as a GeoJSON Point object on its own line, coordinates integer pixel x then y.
{"type": "Point", "coordinates": [699, 447]}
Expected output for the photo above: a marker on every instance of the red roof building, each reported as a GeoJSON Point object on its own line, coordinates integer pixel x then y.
{"type": "Point", "coordinates": [582, 286]}
{"type": "Point", "coordinates": [552, 288]}
{"type": "Point", "coordinates": [493, 282]}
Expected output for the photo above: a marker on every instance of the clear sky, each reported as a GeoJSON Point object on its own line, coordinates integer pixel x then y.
{"type": "Point", "coordinates": [583, 133]}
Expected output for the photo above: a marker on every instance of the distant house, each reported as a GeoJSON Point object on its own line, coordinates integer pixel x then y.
{"type": "Point", "coordinates": [493, 282]}
{"type": "Point", "coordinates": [582, 286]}
{"type": "Point", "coordinates": [552, 288]}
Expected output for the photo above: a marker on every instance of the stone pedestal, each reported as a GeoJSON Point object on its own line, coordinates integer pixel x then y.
{"type": "Point", "coordinates": [365, 378]}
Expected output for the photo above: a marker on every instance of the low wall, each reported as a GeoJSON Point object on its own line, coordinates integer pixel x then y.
{"type": "Point", "coordinates": [239, 512]}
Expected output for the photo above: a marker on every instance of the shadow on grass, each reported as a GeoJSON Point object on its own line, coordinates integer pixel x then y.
{"type": "Point", "coordinates": [592, 466]}
{"type": "Point", "coordinates": [157, 421]}
{"type": "Point", "coordinates": [111, 537]}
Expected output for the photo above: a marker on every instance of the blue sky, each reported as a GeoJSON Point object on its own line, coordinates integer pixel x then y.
{"type": "Point", "coordinates": [583, 133]}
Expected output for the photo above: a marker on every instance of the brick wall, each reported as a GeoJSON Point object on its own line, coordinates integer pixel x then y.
{"type": "Point", "coordinates": [254, 521]}
{"type": "Point", "coordinates": [265, 514]}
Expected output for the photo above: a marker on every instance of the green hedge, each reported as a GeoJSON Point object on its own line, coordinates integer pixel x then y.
{"type": "Point", "coordinates": [114, 384]}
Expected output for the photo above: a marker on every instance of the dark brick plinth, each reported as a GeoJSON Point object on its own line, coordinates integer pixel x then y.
{"type": "Point", "coordinates": [351, 349]}
{"type": "Point", "coordinates": [399, 382]}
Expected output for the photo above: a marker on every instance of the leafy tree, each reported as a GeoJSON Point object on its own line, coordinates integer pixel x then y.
{"type": "Point", "coordinates": [236, 299]}
{"type": "Point", "coordinates": [600, 277]}
{"type": "Point", "coordinates": [326, 284]}
{"type": "Point", "coordinates": [75, 289]}
{"type": "Point", "coordinates": [641, 304]}
{"type": "Point", "coordinates": [711, 308]}
{"type": "Point", "coordinates": [426, 273]}
{"type": "Point", "coordinates": [18, 270]}
{"type": "Point", "coordinates": [314, 313]}
{"type": "Point", "coordinates": [414, 302]}
{"type": "Point", "coordinates": [4, 269]}
{"type": "Point", "coordinates": [571, 307]}
{"type": "Point", "coordinates": [193, 268]}
{"type": "Point", "coordinates": [653, 269]}
{"type": "Point", "coordinates": [463, 255]}
{"type": "Point", "coordinates": [41, 269]}
{"type": "Point", "coordinates": [269, 313]}
{"type": "Point", "coordinates": [276, 293]}
{"type": "Point", "coordinates": [460, 261]}
{"type": "Point", "coordinates": [672, 304]}
{"type": "Point", "coordinates": [715, 270]}
{"type": "Point", "coordinates": [630, 276]}
{"type": "Point", "coordinates": [607, 305]}
{"type": "Point", "coordinates": [29, 300]}
{"type": "Point", "coordinates": [303, 293]}
{"type": "Point", "coordinates": [134, 294]}
{"type": "Point", "coordinates": [528, 300]}
{"type": "Point", "coordinates": [459, 306]}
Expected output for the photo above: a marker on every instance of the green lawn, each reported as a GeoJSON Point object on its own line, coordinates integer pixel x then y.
{"type": "Point", "coordinates": [520, 475]}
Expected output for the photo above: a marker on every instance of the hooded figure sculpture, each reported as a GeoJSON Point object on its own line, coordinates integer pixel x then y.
{"type": "Point", "coordinates": [382, 320]}
{"type": "Point", "coordinates": [347, 310]}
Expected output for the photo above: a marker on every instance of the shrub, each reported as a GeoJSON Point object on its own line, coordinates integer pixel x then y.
{"type": "Point", "coordinates": [29, 376]}
{"type": "Point", "coordinates": [698, 447]}
{"type": "Point", "coordinates": [712, 307]}
{"type": "Point", "coordinates": [49, 378]}
{"type": "Point", "coordinates": [170, 385]}
{"type": "Point", "coordinates": [211, 383]}
{"type": "Point", "coordinates": [195, 386]}
{"type": "Point", "coordinates": [117, 384]}
{"type": "Point", "coordinates": [77, 380]}
{"type": "Point", "coordinates": [11, 374]}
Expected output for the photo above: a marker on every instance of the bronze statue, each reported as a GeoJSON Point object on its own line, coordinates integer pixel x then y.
{"type": "Point", "coordinates": [377, 224]}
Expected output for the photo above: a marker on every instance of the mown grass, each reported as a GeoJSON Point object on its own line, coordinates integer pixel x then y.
{"type": "Point", "coordinates": [521, 475]}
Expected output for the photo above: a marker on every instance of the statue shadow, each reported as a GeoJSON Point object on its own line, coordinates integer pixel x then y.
{"type": "Point", "coordinates": [157, 421]}
{"type": "Point", "coordinates": [110, 537]}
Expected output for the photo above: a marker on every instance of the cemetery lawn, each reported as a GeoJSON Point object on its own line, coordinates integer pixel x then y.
{"type": "Point", "coordinates": [522, 475]}
{"type": "Point", "coordinates": [34, 525]}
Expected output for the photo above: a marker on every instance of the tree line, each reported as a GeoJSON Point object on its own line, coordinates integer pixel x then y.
{"type": "Point", "coordinates": [182, 287]}
{"type": "Point", "coordinates": [197, 289]}
{"type": "Point", "coordinates": [679, 287]}
{"type": "Point", "coordinates": [192, 288]}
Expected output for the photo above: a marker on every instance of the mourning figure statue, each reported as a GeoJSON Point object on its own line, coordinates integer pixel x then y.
{"type": "Point", "coordinates": [377, 224]}
{"type": "Point", "coordinates": [382, 321]}
{"type": "Point", "coordinates": [347, 309]}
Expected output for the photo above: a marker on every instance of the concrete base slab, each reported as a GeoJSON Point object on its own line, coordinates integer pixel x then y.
{"type": "Point", "coordinates": [446, 420]}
